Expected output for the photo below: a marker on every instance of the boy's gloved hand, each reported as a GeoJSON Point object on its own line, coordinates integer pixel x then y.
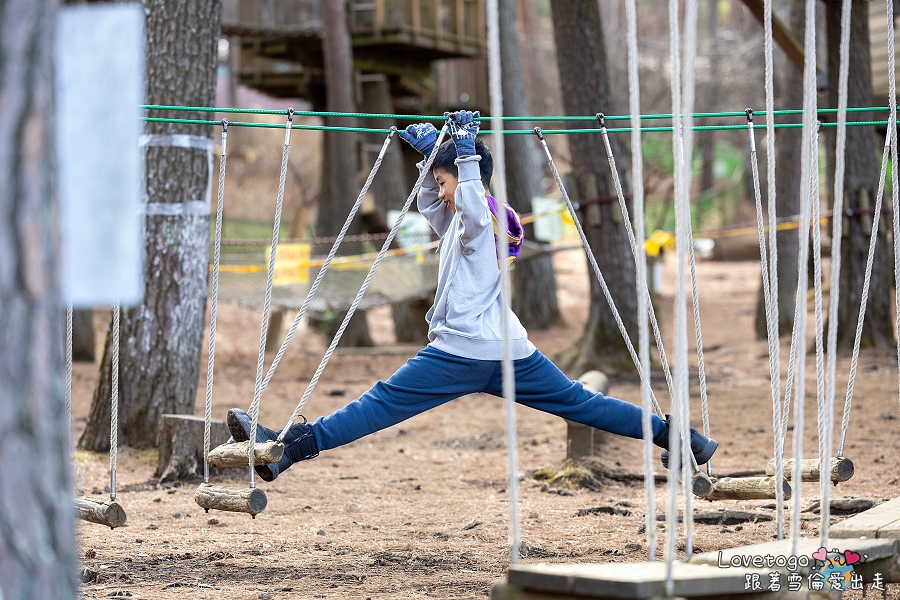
{"type": "Point", "coordinates": [463, 129]}
{"type": "Point", "coordinates": [421, 136]}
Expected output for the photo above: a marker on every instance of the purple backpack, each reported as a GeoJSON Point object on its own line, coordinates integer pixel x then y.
{"type": "Point", "coordinates": [514, 230]}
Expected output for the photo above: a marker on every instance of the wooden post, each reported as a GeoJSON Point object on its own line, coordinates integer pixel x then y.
{"type": "Point", "coordinates": [842, 469]}
{"type": "Point", "coordinates": [247, 500]}
{"type": "Point", "coordinates": [237, 454]}
{"type": "Point", "coordinates": [580, 438]}
{"type": "Point", "coordinates": [108, 513]}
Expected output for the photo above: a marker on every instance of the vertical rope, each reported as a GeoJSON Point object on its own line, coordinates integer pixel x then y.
{"type": "Point", "coordinates": [331, 254]}
{"type": "Point", "coordinates": [826, 437]}
{"type": "Point", "coordinates": [257, 394]}
{"type": "Point", "coordinates": [895, 189]}
{"type": "Point", "coordinates": [772, 274]}
{"type": "Point", "coordinates": [214, 303]}
{"type": "Point", "coordinates": [114, 403]}
{"type": "Point", "coordinates": [808, 153]}
{"type": "Point", "coordinates": [508, 373]}
{"type": "Point", "coordinates": [69, 335]}
{"type": "Point", "coordinates": [637, 165]}
{"type": "Point", "coordinates": [679, 398]}
{"type": "Point", "coordinates": [687, 148]}
{"type": "Point", "coordinates": [365, 285]}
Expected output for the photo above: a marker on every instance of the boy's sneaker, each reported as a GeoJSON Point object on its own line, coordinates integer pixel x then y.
{"type": "Point", "coordinates": [702, 447]}
{"type": "Point", "coordinates": [299, 443]}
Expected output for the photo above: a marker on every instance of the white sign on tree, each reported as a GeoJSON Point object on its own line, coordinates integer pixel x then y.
{"type": "Point", "coordinates": [99, 81]}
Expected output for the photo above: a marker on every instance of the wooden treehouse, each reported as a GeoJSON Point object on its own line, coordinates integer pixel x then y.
{"type": "Point", "coordinates": [417, 44]}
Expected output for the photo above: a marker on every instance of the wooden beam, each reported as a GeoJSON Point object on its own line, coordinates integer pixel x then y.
{"type": "Point", "coordinates": [738, 488]}
{"type": "Point", "coordinates": [237, 454]}
{"type": "Point", "coordinates": [108, 513]}
{"type": "Point", "coordinates": [781, 34]}
{"type": "Point", "coordinates": [246, 500]}
{"type": "Point", "coordinates": [841, 469]}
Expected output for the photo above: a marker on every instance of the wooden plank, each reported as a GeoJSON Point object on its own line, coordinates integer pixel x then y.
{"type": "Point", "coordinates": [631, 580]}
{"type": "Point", "coordinates": [874, 549]}
{"type": "Point", "coordinates": [871, 522]}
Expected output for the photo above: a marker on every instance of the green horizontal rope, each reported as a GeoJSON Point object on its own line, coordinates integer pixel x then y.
{"type": "Point", "coordinates": [706, 115]}
{"type": "Point", "coordinates": [507, 131]}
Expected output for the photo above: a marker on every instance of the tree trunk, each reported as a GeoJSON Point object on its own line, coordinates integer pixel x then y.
{"type": "Point", "coordinates": [706, 140]}
{"type": "Point", "coordinates": [584, 76]}
{"type": "Point", "coordinates": [389, 189]}
{"type": "Point", "coordinates": [37, 546]}
{"type": "Point", "coordinates": [83, 339]}
{"type": "Point", "coordinates": [161, 338]}
{"type": "Point", "coordinates": [534, 300]}
{"type": "Point", "coordinates": [860, 186]}
{"type": "Point", "coordinates": [787, 183]}
{"type": "Point", "coordinates": [339, 186]}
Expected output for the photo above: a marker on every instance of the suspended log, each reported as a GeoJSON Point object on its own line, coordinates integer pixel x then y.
{"type": "Point", "coordinates": [236, 454]}
{"type": "Point", "coordinates": [841, 469]}
{"type": "Point", "coordinates": [246, 500]}
{"type": "Point", "coordinates": [109, 513]}
{"type": "Point", "coordinates": [738, 488]}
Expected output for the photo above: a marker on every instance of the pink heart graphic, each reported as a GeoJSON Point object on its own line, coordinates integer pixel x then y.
{"type": "Point", "coordinates": [852, 557]}
{"type": "Point", "coordinates": [820, 554]}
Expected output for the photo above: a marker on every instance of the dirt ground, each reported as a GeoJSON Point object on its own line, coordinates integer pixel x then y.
{"type": "Point", "coordinates": [391, 515]}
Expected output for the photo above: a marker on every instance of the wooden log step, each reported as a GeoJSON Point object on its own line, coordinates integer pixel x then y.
{"type": "Point", "coordinates": [245, 500]}
{"type": "Point", "coordinates": [841, 469]}
{"type": "Point", "coordinates": [881, 521]}
{"type": "Point", "coordinates": [737, 488]}
{"type": "Point", "coordinates": [109, 513]}
{"type": "Point", "coordinates": [237, 454]}
{"type": "Point", "coordinates": [625, 580]}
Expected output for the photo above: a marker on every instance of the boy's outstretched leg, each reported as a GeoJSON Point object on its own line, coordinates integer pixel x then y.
{"type": "Point", "coordinates": [702, 447]}
{"type": "Point", "coordinates": [299, 443]}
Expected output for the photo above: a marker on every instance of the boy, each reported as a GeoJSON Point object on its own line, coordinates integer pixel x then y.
{"type": "Point", "coordinates": [465, 333]}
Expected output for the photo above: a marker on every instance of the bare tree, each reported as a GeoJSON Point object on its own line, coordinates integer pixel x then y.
{"type": "Point", "coordinates": [860, 184]}
{"type": "Point", "coordinates": [584, 76]}
{"type": "Point", "coordinates": [340, 161]}
{"type": "Point", "coordinates": [37, 543]}
{"type": "Point", "coordinates": [161, 339]}
{"type": "Point", "coordinates": [534, 300]}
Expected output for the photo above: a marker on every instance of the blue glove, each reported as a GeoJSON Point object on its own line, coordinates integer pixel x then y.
{"type": "Point", "coordinates": [463, 129]}
{"type": "Point", "coordinates": [421, 136]}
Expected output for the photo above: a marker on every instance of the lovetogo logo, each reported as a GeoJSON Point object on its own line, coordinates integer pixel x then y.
{"type": "Point", "coordinates": [836, 571]}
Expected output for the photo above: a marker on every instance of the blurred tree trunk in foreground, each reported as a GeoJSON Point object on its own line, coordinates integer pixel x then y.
{"type": "Point", "coordinates": [37, 544]}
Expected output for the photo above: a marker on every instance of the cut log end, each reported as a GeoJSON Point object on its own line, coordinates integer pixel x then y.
{"type": "Point", "coordinates": [109, 513]}
{"type": "Point", "coordinates": [236, 454]}
{"type": "Point", "coordinates": [702, 485]}
{"type": "Point", "coordinates": [842, 469]}
{"type": "Point", "coordinates": [245, 500]}
{"type": "Point", "coordinates": [744, 488]}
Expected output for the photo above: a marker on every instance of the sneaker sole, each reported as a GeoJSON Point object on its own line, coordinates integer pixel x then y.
{"type": "Point", "coordinates": [236, 428]}
{"type": "Point", "coordinates": [702, 458]}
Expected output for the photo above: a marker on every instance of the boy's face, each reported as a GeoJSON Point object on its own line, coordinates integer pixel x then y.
{"type": "Point", "coordinates": [447, 188]}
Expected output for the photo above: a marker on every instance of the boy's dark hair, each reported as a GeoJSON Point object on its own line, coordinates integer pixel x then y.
{"type": "Point", "coordinates": [446, 160]}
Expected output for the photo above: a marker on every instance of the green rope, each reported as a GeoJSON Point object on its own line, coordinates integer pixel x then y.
{"type": "Point", "coordinates": [706, 115]}
{"type": "Point", "coordinates": [506, 131]}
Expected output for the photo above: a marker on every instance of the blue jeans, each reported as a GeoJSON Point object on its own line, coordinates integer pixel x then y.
{"type": "Point", "coordinates": [434, 377]}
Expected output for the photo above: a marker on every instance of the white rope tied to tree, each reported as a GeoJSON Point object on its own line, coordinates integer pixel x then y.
{"type": "Point", "coordinates": [772, 274]}
{"type": "Point", "coordinates": [214, 303]}
{"type": "Point", "coordinates": [257, 394]}
{"type": "Point", "coordinates": [508, 372]}
{"type": "Point", "coordinates": [637, 165]}
{"type": "Point", "coordinates": [826, 435]}
{"type": "Point", "coordinates": [114, 403]}
{"type": "Point", "coordinates": [69, 336]}
{"type": "Point", "coordinates": [331, 254]}
{"type": "Point", "coordinates": [365, 285]}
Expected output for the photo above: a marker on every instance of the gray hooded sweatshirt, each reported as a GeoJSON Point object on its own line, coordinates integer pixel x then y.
{"type": "Point", "coordinates": [466, 319]}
